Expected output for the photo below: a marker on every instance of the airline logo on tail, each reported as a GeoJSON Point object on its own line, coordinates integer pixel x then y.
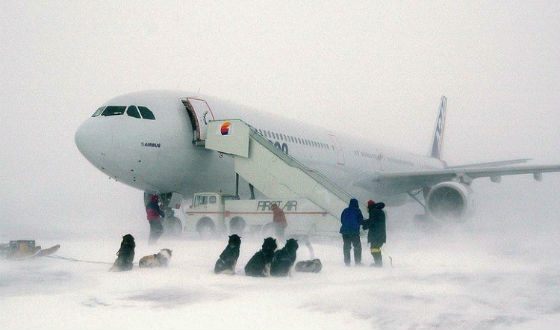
{"type": "Point", "coordinates": [440, 128]}
{"type": "Point", "coordinates": [225, 128]}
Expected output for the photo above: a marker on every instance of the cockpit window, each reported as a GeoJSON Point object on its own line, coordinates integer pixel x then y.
{"type": "Point", "coordinates": [98, 112]}
{"type": "Point", "coordinates": [113, 110]}
{"type": "Point", "coordinates": [132, 111]}
{"type": "Point", "coordinates": [146, 113]}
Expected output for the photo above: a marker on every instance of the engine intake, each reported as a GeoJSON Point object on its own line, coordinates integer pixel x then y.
{"type": "Point", "coordinates": [449, 200]}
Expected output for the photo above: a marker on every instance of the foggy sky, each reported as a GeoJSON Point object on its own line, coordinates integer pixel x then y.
{"type": "Point", "coordinates": [376, 70]}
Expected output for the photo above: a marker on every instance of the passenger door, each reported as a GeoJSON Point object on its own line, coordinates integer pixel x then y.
{"type": "Point", "coordinates": [199, 113]}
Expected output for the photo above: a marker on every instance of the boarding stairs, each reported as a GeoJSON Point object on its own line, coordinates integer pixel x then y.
{"type": "Point", "coordinates": [270, 170]}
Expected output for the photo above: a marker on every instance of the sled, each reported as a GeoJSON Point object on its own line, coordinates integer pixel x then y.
{"type": "Point", "coordinates": [25, 249]}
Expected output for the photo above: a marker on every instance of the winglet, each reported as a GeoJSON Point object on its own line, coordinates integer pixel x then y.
{"type": "Point", "coordinates": [437, 143]}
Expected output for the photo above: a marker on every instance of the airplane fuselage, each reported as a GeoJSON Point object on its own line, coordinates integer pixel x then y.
{"type": "Point", "coordinates": [161, 155]}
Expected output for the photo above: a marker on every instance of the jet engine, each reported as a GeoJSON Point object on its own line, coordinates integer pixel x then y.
{"type": "Point", "coordinates": [449, 200]}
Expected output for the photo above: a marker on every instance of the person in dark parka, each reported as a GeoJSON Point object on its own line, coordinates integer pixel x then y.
{"type": "Point", "coordinates": [351, 219]}
{"type": "Point", "coordinates": [377, 235]}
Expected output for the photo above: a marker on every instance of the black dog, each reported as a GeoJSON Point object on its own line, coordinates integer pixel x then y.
{"type": "Point", "coordinates": [259, 264]}
{"type": "Point", "coordinates": [284, 259]}
{"type": "Point", "coordinates": [125, 255]}
{"type": "Point", "coordinates": [228, 259]}
{"type": "Point", "coordinates": [309, 266]}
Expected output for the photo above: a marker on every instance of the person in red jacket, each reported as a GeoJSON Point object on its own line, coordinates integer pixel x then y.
{"type": "Point", "coordinates": [154, 215]}
{"type": "Point", "coordinates": [279, 221]}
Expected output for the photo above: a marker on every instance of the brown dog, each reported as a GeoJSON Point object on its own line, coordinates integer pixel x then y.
{"type": "Point", "coordinates": [161, 259]}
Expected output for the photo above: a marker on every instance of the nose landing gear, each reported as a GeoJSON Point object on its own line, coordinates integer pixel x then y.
{"type": "Point", "coordinates": [172, 226]}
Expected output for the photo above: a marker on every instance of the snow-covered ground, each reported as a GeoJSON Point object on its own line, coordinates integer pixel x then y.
{"type": "Point", "coordinates": [460, 276]}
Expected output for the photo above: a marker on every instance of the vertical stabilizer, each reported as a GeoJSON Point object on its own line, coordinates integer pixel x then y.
{"type": "Point", "coordinates": [437, 143]}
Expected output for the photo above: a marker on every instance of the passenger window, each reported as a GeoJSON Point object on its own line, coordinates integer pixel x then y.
{"type": "Point", "coordinates": [212, 200]}
{"type": "Point", "coordinates": [132, 111]}
{"type": "Point", "coordinates": [113, 110]}
{"type": "Point", "coordinates": [98, 112]}
{"type": "Point", "coordinates": [146, 113]}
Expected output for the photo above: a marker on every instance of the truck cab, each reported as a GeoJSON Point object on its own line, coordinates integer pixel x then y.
{"type": "Point", "coordinates": [206, 214]}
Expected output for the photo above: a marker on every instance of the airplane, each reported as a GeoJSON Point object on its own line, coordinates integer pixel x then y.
{"type": "Point", "coordinates": [154, 141]}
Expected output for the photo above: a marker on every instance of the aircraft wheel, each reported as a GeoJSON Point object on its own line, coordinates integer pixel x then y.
{"type": "Point", "coordinates": [173, 227]}
{"type": "Point", "coordinates": [206, 228]}
{"type": "Point", "coordinates": [237, 225]}
{"type": "Point", "coordinates": [268, 230]}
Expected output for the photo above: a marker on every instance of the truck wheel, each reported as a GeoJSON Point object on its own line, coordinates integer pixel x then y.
{"type": "Point", "coordinates": [237, 226]}
{"type": "Point", "coordinates": [206, 228]}
{"type": "Point", "coordinates": [173, 227]}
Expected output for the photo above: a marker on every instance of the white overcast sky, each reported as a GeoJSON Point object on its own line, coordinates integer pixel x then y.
{"type": "Point", "coordinates": [376, 69]}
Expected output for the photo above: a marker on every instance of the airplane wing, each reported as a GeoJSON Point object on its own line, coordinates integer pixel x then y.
{"type": "Point", "coordinates": [402, 182]}
{"type": "Point", "coordinates": [491, 164]}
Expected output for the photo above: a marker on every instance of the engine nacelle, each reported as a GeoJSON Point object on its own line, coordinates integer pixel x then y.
{"type": "Point", "coordinates": [449, 200]}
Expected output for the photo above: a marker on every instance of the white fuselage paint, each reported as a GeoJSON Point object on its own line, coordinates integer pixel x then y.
{"type": "Point", "coordinates": [159, 155]}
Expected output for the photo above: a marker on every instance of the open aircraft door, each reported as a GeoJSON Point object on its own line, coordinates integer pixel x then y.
{"type": "Point", "coordinates": [200, 114]}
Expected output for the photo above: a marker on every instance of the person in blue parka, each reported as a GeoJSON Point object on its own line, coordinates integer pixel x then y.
{"type": "Point", "coordinates": [351, 220]}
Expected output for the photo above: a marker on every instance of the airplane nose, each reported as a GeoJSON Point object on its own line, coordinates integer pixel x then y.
{"type": "Point", "coordinates": [80, 139]}
{"type": "Point", "coordinates": [93, 141]}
